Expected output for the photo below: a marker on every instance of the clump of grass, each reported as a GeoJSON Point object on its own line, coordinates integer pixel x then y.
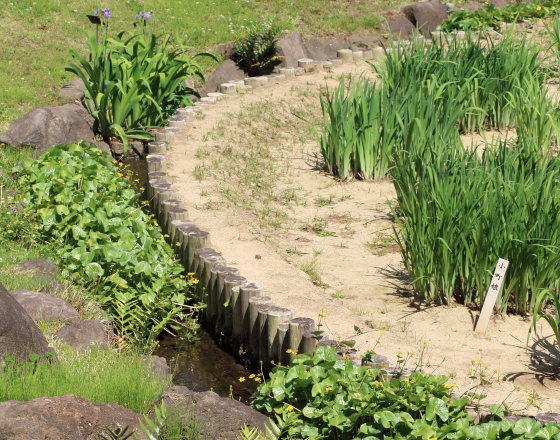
{"type": "Point", "coordinates": [97, 375]}
{"type": "Point", "coordinates": [311, 267]}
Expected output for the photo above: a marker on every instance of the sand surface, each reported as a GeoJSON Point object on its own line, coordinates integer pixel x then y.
{"type": "Point", "coordinates": [248, 170]}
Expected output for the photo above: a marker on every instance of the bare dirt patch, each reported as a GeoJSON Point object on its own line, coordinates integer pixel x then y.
{"type": "Point", "coordinates": [250, 171]}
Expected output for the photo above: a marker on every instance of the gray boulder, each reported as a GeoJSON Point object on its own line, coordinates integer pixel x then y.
{"type": "Point", "coordinates": [473, 6]}
{"type": "Point", "coordinates": [38, 265]}
{"type": "Point", "coordinates": [499, 3]}
{"type": "Point", "coordinates": [399, 27]}
{"type": "Point", "coordinates": [44, 127]}
{"type": "Point", "coordinates": [19, 335]}
{"type": "Point", "coordinates": [222, 417]}
{"type": "Point", "coordinates": [356, 42]}
{"type": "Point", "coordinates": [291, 48]}
{"type": "Point", "coordinates": [548, 417]}
{"type": "Point", "coordinates": [227, 71]}
{"type": "Point", "coordinates": [45, 307]}
{"type": "Point", "coordinates": [426, 16]}
{"type": "Point", "coordinates": [66, 417]}
{"type": "Point", "coordinates": [83, 335]}
{"type": "Point", "coordinates": [320, 49]}
{"type": "Point", "coordinates": [40, 268]}
{"type": "Point", "coordinates": [158, 365]}
{"type": "Point", "coordinates": [72, 91]}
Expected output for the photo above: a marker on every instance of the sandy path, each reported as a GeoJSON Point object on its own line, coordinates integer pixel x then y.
{"type": "Point", "coordinates": [290, 215]}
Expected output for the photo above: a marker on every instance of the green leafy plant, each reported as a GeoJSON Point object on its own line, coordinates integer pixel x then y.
{"type": "Point", "coordinates": [87, 206]}
{"type": "Point", "coordinates": [318, 396]}
{"type": "Point", "coordinates": [258, 48]}
{"type": "Point", "coordinates": [133, 83]}
{"type": "Point", "coordinates": [492, 17]}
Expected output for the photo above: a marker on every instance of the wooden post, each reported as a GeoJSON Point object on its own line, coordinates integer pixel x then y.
{"type": "Point", "coordinates": [255, 333]}
{"type": "Point", "coordinates": [157, 147]}
{"type": "Point", "coordinates": [241, 311]}
{"type": "Point", "coordinates": [174, 236]}
{"type": "Point", "coordinates": [166, 206]}
{"type": "Point", "coordinates": [149, 188]}
{"type": "Point", "coordinates": [177, 121]}
{"type": "Point", "coordinates": [275, 317]}
{"type": "Point", "coordinates": [217, 277]}
{"type": "Point", "coordinates": [298, 326]}
{"type": "Point", "coordinates": [155, 177]}
{"type": "Point", "coordinates": [196, 240]}
{"type": "Point", "coordinates": [156, 188]}
{"type": "Point", "coordinates": [345, 55]}
{"type": "Point", "coordinates": [156, 162]}
{"type": "Point", "coordinates": [283, 344]}
{"type": "Point", "coordinates": [308, 343]}
{"type": "Point", "coordinates": [491, 296]}
{"type": "Point", "coordinates": [177, 213]}
{"type": "Point", "coordinates": [161, 196]}
{"type": "Point", "coordinates": [182, 237]}
{"type": "Point", "coordinates": [306, 64]}
{"type": "Point", "coordinates": [230, 282]}
{"type": "Point", "coordinates": [198, 265]}
{"type": "Point", "coordinates": [210, 262]}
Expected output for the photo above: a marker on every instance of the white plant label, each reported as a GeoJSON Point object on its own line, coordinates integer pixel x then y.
{"type": "Point", "coordinates": [492, 295]}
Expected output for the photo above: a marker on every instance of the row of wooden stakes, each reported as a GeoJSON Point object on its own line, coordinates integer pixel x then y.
{"type": "Point", "coordinates": [235, 308]}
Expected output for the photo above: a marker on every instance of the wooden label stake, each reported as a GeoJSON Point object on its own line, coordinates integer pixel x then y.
{"type": "Point", "coordinates": [491, 296]}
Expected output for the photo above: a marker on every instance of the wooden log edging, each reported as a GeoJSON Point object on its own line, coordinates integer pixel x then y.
{"type": "Point", "coordinates": [235, 308]}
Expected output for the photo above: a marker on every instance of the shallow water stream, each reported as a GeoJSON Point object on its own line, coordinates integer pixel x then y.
{"type": "Point", "coordinates": [202, 365]}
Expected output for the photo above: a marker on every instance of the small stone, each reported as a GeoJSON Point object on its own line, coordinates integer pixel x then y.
{"type": "Point", "coordinates": [83, 335]}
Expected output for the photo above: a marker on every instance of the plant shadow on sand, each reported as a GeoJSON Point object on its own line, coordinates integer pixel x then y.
{"type": "Point", "coordinates": [544, 365]}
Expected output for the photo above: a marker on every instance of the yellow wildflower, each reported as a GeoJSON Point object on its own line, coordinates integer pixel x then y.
{"type": "Point", "coordinates": [194, 281]}
{"type": "Point", "coordinates": [251, 376]}
{"type": "Point", "coordinates": [166, 235]}
{"type": "Point", "coordinates": [257, 379]}
{"type": "Point", "coordinates": [142, 189]}
{"type": "Point", "coordinates": [538, 8]}
{"type": "Point", "coordinates": [320, 315]}
{"type": "Point", "coordinates": [322, 309]}
{"type": "Point", "coordinates": [290, 351]}
{"type": "Point", "coordinates": [190, 273]}
{"type": "Point", "coordinates": [357, 394]}
{"type": "Point", "coordinates": [241, 379]}
{"type": "Point", "coordinates": [328, 389]}
{"type": "Point", "coordinates": [177, 244]}
{"type": "Point", "coordinates": [290, 408]}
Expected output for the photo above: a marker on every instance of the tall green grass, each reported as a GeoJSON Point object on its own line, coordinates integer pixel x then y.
{"type": "Point", "coordinates": [99, 376]}
{"type": "Point", "coordinates": [457, 212]}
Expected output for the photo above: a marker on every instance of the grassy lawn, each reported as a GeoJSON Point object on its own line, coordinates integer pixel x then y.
{"type": "Point", "coordinates": [37, 34]}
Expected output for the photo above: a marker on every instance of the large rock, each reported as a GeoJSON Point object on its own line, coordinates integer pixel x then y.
{"type": "Point", "coordinates": [44, 307]}
{"type": "Point", "coordinates": [44, 127]}
{"type": "Point", "coordinates": [40, 268]}
{"type": "Point", "coordinates": [499, 3]}
{"type": "Point", "coordinates": [320, 49]}
{"type": "Point", "coordinates": [72, 91]}
{"type": "Point", "coordinates": [83, 335]}
{"type": "Point", "coordinates": [473, 6]}
{"type": "Point", "coordinates": [291, 48]}
{"type": "Point", "coordinates": [227, 71]}
{"type": "Point", "coordinates": [19, 335]}
{"type": "Point", "coordinates": [356, 42]}
{"type": "Point", "coordinates": [426, 16]}
{"type": "Point", "coordinates": [400, 27]}
{"type": "Point", "coordinates": [63, 418]}
{"type": "Point", "coordinates": [222, 417]}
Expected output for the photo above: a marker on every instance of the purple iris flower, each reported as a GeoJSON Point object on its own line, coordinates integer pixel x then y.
{"type": "Point", "coordinates": [146, 15]}
{"type": "Point", "coordinates": [104, 11]}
